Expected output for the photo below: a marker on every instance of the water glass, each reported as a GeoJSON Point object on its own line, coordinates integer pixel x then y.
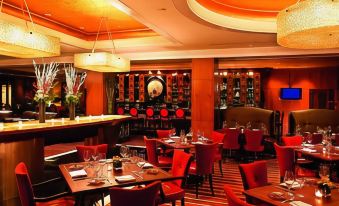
{"type": "Point", "coordinates": [324, 172]}
{"type": "Point", "coordinates": [289, 180]}
{"type": "Point", "coordinates": [301, 182]}
{"type": "Point", "coordinates": [134, 156]}
{"type": "Point", "coordinates": [124, 151]}
{"type": "Point", "coordinates": [141, 161]}
{"type": "Point", "coordinates": [87, 156]}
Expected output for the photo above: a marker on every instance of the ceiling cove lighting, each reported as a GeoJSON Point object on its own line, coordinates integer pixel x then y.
{"type": "Point", "coordinates": [309, 24]}
{"type": "Point", "coordinates": [22, 42]}
{"type": "Point", "coordinates": [102, 61]}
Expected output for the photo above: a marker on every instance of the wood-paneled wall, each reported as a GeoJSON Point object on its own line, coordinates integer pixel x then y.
{"type": "Point", "coordinates": [95, 99]}
{"type": "Point", "coordinates": [203, 95]}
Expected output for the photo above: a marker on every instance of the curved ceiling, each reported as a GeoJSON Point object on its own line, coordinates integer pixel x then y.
{"type": "Point", "coordinates": [79, 18]}
{"type": "Point", "coordinates": [254, 15]}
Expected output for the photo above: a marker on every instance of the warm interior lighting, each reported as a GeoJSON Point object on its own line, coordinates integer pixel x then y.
{"type": "Point", "coordinates": [309, 24]}
{"type": "Point", "coordinates": [101, 62]}
{"type": "Point", "coordinates": [17, 41]}
{"type": "Point", "coordinates": [158, 72]}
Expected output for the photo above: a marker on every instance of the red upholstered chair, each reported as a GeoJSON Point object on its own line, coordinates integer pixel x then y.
{"type": "Point", "coordinates": [286, 161]}
{"type": "Point", "coordinates": [218, 137]}
{"type": "Point", "coordinates": [172, 190]}
{"type": "Point", "coordinates": [317, 138]}
{"type": "Point", "coordinates": [165, 121]}
{"type": "Point", "coordinates": [152, 156]}
{"type": "Point", "coordinates": [203, 164]}
{"type": "Point", "coordinates": [141, 196]}
{"type": "Point", "coordinates": [253, 174]}
{"type": "Point", "coordinates": [231, 141]}
{"type": "Point", "coordinates": [164, 133]}
{"type": "Point", "coordinates": [254, 139]}
{"type": "Point", "coordinates": [293, 140]}
{"type": "Point", "coordinates": [120, 111]}
{"type": "Point", "coordinates": [336, 139]}
{"type": "Point", "coordinates": [101, 148]}
{"type": "Point", "coordinates": [180, 113]}
{"type": "Point", "coordinates": [232, 199]}
{"type": "Point", "coordinates": [26, 193]}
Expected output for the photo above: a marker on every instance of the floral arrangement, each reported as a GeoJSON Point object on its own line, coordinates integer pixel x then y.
{"type": "Point", "coordinates": [45, 81]}
{"type": "Point", "coordinates": [73, 84]}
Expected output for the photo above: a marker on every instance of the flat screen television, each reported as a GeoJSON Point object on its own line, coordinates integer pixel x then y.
{"type": "Point", "coordinates": [290, 93]}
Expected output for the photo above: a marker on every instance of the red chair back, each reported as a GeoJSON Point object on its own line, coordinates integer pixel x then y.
{"type": "Point", "coordinates": [317, 138]}
{"type": "Point", "coordinates": [101, 148]}
{"type": "Point", "coordinates": [254, 140]}
{"type": "Point", "coordinates": [336, 136]}
{"type": "Point", "coordinates": [120, 111]}
{"type": "Point", "coordinates": [204, 155]}
{"type": "Point", "coordinates": [24, 185]}
{"type": "Point", "coordinates": [232, 199]}
{"type": "Point", "coordinates": [149, 112]}
{"type": "Point", "coordinates": [253, 174]}
{"type": "Point", "coordinates": [138, 196]}
{"type": "Point", "coordinates": [218, 137]}
{"type": "Point", "coordinates": [151, 149]}
{"type": "Point", "coordinates": [285, 156]}
{"type": "Point", "coordinates": [180, 113]}
{"type": "Point", "coordinates": [133, 112]}
{"type": "Point", "coordinates": [164, 113]}
{"type": "Point", "coordinates": [180, 165]}
{"type": "Point", "coordinates": [231, 140]}
{"type": "Point", "coordinates": [164, 133]}
{"type": "Point", "coordinates": [292, 141]}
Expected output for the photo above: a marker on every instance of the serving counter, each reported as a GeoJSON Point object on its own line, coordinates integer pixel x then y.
{"type": "Point", "coordinates": [24, 142]}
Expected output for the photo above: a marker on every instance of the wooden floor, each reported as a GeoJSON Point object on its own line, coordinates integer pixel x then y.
{"type": "Point", "coordinates": [230, 176]}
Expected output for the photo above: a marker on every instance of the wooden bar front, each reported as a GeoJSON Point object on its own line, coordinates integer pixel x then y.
{"type": "Point", "coordinates": [25, 143]}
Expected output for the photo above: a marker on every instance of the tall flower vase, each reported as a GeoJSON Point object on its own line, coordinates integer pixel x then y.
{"type": "Point", "coordinates": [42, 111]}
{"type": "Point", "coordinates": [71, 108]}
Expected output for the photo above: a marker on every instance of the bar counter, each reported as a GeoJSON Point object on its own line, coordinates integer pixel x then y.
{"type": "Point", "coordinates": [24, 142]}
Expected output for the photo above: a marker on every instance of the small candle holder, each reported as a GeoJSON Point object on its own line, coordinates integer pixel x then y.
{"type": "Point", "coordinates": [318, 193]}
{"type": "Point", "coordinates": [323, 190]}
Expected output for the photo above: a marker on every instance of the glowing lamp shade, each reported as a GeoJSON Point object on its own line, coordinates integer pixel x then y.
{"type": "Point", "coordinates": [17, 41]}
{"type": "Point", "coordinates": [102, 62]}
{"type": "Point", "coordinates": [309, 24]}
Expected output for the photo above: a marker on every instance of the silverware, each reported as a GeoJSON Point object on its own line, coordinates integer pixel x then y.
{"type": "Point", "coordinates": [136, 174]}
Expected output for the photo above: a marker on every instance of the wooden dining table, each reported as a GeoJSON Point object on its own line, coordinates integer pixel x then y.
{"type": "Point", "coordinates": [175, 143]}
{"type": "Point", "coordinates": [82, 186]}
{"type": "Point", "coordinates": [316, 152]}
{"type": "Point", "coordinates": [305, 195]}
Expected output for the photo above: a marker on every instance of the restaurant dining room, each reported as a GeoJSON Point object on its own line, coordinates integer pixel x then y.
{"type": "Point", "coordinates": [169, 102]}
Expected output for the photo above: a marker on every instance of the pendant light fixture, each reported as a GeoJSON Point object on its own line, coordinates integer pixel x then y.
{"type": "Point", "coordinates": [309, 24]}
{"type": "Point", "coordinates": [23, 42]}
{"type": "Point", "coordinates": [102, 61]}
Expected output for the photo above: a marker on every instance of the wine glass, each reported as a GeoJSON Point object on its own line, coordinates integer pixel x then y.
{"type": "Point", "coordinates": [86, 156]}
{"type": "Point", "coordinates": [124, 150]}
{"type": "Point", "coordinates": [141, 162]}
{"type": "Point", "coordinates": [134, 156]}
{"type": "Point", "coordinates": [289, 180]}
{"type": "Point", "coordinates": [324, 172]}
{"type": "Point", "coordinates": [301, 182]}
{"type": "Point", "coordinates": [309, 138]}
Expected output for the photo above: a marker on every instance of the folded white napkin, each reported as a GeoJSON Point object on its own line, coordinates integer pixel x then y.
{"type": "Point", "coordinates": [125, 178]}
{"type": "Point", "coordinates": [309, 150]}
{"type": "Point", "coordinates": [78, 173]}
{"type": "Point", "coordinates": [294, 185]}
{"type": "Point", "coordinates": [175, 137]}
{"type": "Point", "coordinates": [169, 141]}
{"type": "Point", "coordinates": [197, 142]}
{"type": "Point", "coordinates": [299, 203]}
{"type": "Point", "coordinates": [308, 145]}
{"type": "Point", "coordinates": [337, 147]}
{"type": "Point", "coordinates": [145, 166]}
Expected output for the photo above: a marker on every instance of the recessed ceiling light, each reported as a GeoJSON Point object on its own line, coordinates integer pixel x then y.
{"type": "Point", "coordinates": [48, 14]}
{"type": "Point", "coordinates": [82, 27]}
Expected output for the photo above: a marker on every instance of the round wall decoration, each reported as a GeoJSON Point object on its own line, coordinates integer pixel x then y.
{"type": "Point", "coordinates": [154, 88]}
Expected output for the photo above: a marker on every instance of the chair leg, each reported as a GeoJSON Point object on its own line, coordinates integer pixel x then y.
{"type": "Point", "coordinates": [183, 201]}
{"type": "Point", "coordinates": [173, 203]}
{"type": "Point", "coordinates": [220, 167]}
{"type": "Point", "coordinates": [211, 183]}
{"type": "Point", "coordinates": [102, 199]}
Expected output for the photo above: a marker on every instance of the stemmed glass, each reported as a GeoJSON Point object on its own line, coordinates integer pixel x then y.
{"type": "Point", "coordinates": [124, 151]}
{"type": "Point", "coordinates": [141, 162]}
{"type": "Point", "coordinates": [289, 180]}
{"type": "Point", "coordinates": [87, 156]}
{"type": "Point", "coordinates": [324, 172]}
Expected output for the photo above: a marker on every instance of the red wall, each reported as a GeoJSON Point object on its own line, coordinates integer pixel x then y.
{"type": "Point", "coordinates": [302, 78]}
{"type": "Point", "coordinates": [94, 85]}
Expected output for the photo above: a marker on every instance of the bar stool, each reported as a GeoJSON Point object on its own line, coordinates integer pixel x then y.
{"type": "Point", "coordinates": [165, 121]}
